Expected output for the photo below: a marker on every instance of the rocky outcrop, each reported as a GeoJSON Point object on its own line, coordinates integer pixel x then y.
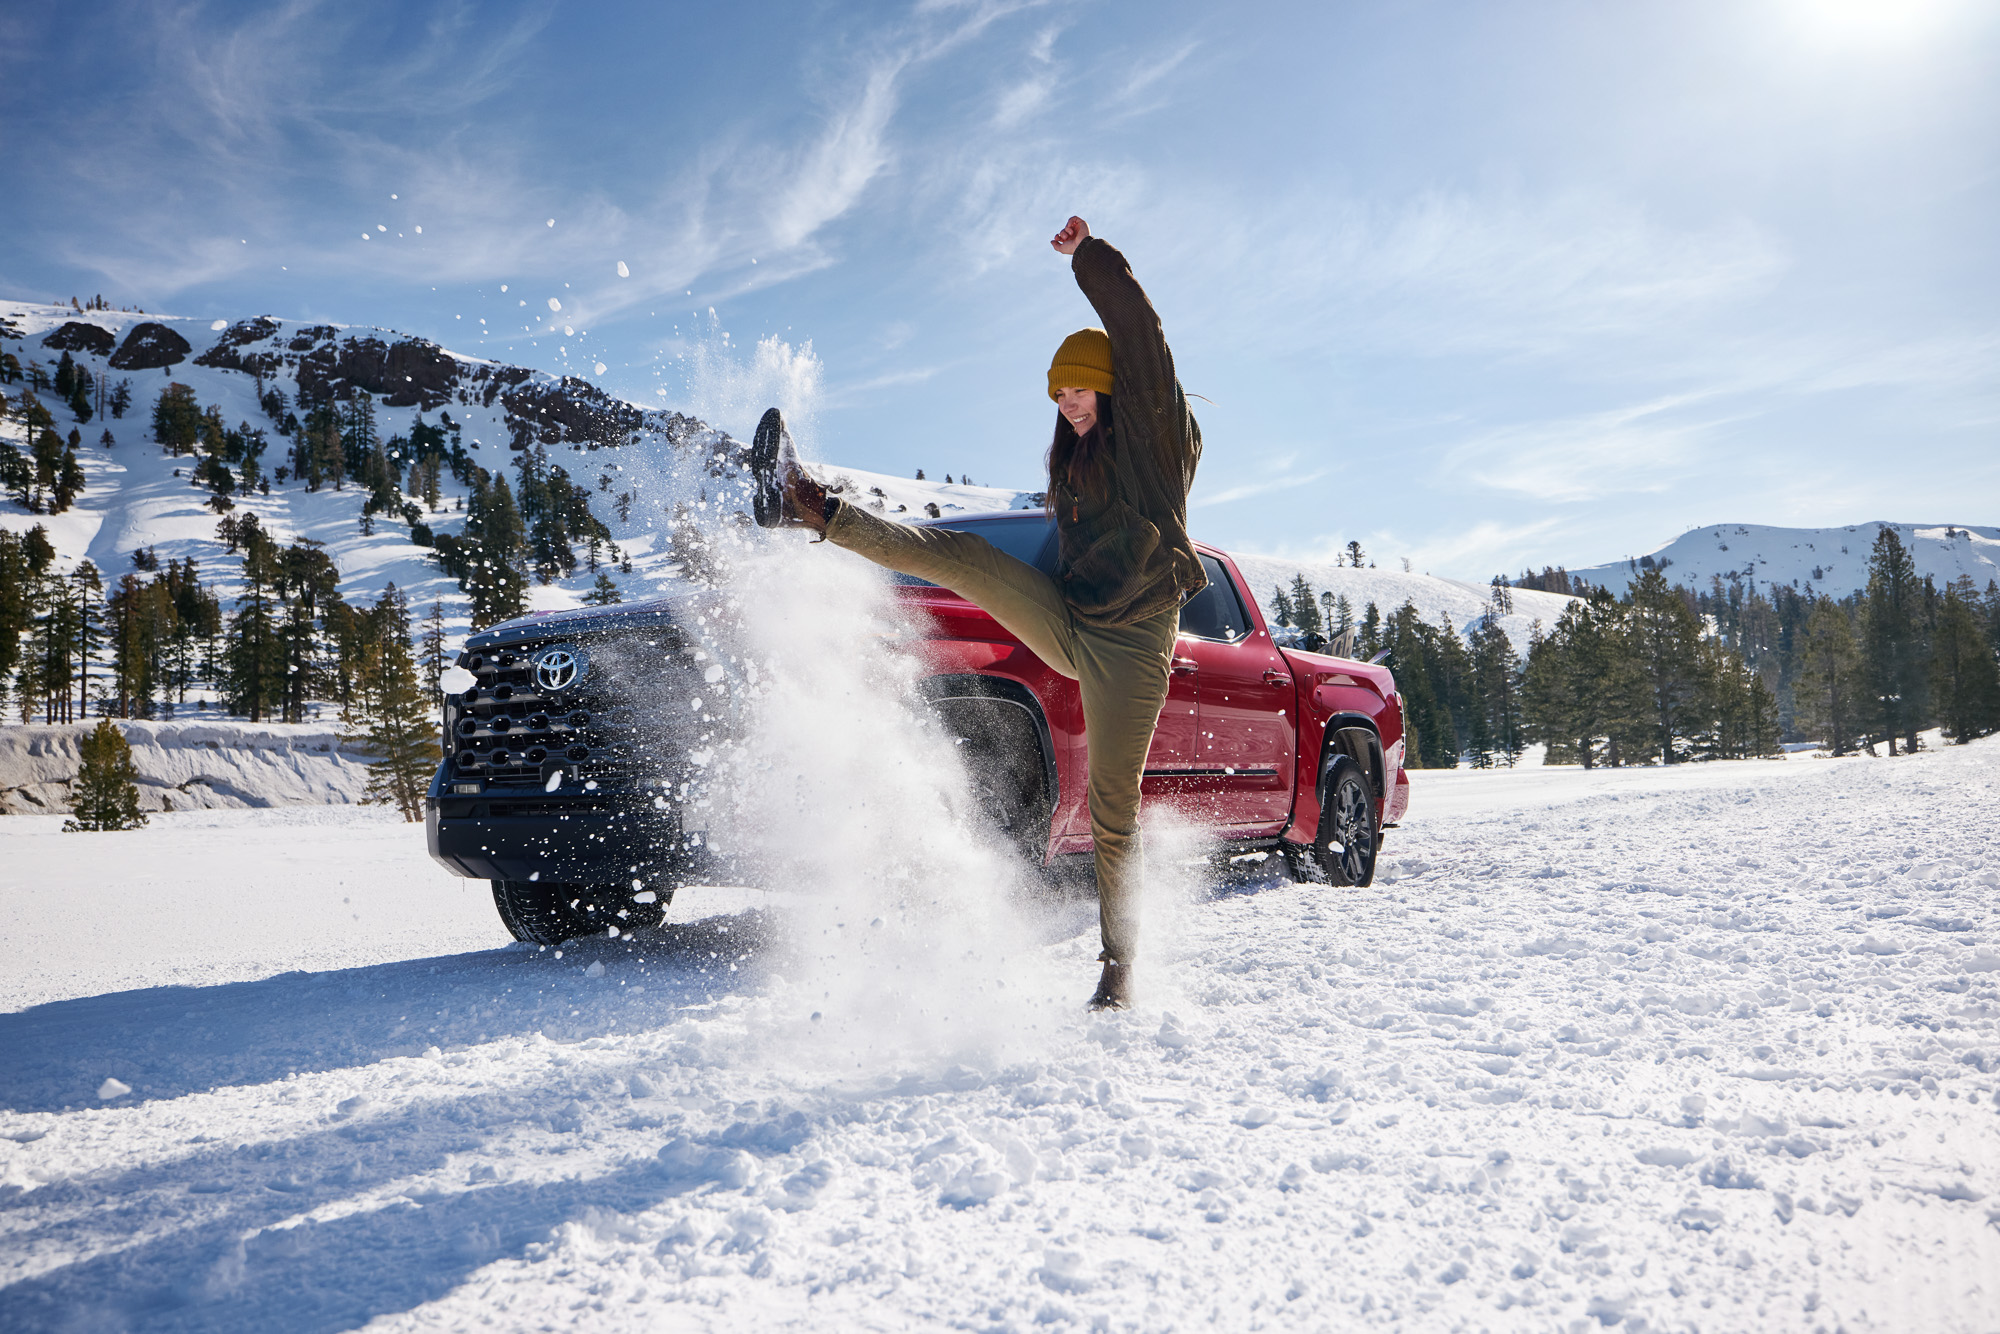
{"type": "Point", "coordinates": [230, 351]}
{"type": "Point", "coordinates": [150, 346]}
{"type": "Point", "coordinates": [570, 411]}
{"type": "Point", "coordinates": [411, 372]}
{"type": "Point", "coordinates": [76, 336]}
{"type": "Point", "coordinates": [406, 372]}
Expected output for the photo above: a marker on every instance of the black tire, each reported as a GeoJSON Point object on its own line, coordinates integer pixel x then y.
{"type": "Point", "coordinates": [549, 912]}
{"type": "Point", "coordinates": [1344, 850]}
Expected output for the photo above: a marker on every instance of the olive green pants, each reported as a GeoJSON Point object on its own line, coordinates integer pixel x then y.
{"type": "Point", "coordinates": [1121, 673]}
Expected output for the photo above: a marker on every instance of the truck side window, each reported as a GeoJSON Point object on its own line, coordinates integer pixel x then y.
{"type": "Point", "coordinates": [1215, 612]}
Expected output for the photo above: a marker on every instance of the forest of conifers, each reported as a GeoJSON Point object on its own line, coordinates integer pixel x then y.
{"type": "Point", "coordinates": [1665, 674]}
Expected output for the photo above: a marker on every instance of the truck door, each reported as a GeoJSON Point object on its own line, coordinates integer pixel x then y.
{"type": "Point", "coordinates": [1248, 727]}
{"type": "Point", "coordinates": [1175, 755]}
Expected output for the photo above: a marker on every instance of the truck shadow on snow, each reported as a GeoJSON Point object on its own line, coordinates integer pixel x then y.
{"type": "Point", "coordinates": [239, 1259]}
{"type": "Point", "coordinates": [166, 1042]}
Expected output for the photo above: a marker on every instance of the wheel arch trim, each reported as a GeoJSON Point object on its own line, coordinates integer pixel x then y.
{"type": "Point", "coordinates": [1350, 725]}
{"type": "Point", "coordinates": [997, 689]}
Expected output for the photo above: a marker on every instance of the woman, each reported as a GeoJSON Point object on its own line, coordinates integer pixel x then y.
{"type": "Point", "coordinates": [1120, 466]}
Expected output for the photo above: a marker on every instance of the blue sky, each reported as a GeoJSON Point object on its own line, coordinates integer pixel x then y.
{"type": "Point", "coordinates": [1476, 284]}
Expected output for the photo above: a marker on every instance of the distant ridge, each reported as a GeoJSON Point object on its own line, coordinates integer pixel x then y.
{"type": "Point", "coordinates": [1831, 560]}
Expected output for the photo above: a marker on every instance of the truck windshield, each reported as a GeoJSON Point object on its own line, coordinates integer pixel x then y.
{"type": "Point", "coordinates": [1025, 537]}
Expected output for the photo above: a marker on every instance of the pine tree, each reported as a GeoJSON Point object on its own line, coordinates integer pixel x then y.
{"type": "Point", "coordinates": [432, 652]}
{"type": "Point", "coordinates": [177, 419]}
{"type": "Point", "coordinates": [1665, 636]}
{"type": "Point", "coordinates": [1893, 652]}
{"type": "Point", "coordinates": [104, 795]}
{"type": "Point", "coordinates": [1281, 606]}
{"type": "Point", "coordinates": [1355, 555]}
{"type": "Point", "coordinates": [358, 437]}
{"type": "Point", "coordinates": [1305, 607]}
{"type": "Point", "coordinates": [1963, 672]}
{"type": "Point", "coordinates": [604, 592]}
{"type": "Point", "coordinates": [306, 585]}
{"type": "Point", "coordinates": [256, 658]}
{"type": "Point", "coordinates": [1832, 691]}
{"type": "Point", "coordinates": [1430, 735]}
{"type": "Point", "coordinates": [390, 715]}
{"type": "Point", "coordinates": [1370, 641]}
{"type": "Point", "coordinates": [16, 601]}
{"type": "Point", "coordinates": [1496, 692]}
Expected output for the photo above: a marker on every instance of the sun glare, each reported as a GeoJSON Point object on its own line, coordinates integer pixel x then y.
{"type": "Point", "coordinates": [1872, 20]}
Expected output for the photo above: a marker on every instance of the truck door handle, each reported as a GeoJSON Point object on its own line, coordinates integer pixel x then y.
{"type": "Point", "coordinates": [1186, 665]}
{"type": "Point", "coordinates": [1274, 677]}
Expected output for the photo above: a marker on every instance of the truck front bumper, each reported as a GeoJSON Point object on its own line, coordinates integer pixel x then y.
{"type": "Point", "coordinates": [568, 838]}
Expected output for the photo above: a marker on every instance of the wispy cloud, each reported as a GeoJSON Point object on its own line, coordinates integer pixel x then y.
{"type": "Point", "coordinates": [1445, 272]}
{"type": "Point", "coordinates": [252, 106]}
{"type": "Point", "coordinates": [1641, 448]}
{"type": "Point", "coordinates": [1277, 475]}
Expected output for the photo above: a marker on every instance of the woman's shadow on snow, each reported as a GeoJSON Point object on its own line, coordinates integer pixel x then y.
{"type": "Point", "coordinates": [164, 1042]}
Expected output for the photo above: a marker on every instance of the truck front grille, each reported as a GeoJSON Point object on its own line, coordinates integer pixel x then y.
{"type": "Point", "coordinates": [512, 730]}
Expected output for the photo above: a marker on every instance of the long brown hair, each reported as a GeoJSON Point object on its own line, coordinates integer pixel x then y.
{"type": "Point", "coordinates": [1084, 462]}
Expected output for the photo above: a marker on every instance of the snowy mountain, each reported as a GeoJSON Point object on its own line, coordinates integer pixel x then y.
{"type": "Point", "coordinates": [137, 496]}
{"type": "Point", "coordinates": [1832, 560]}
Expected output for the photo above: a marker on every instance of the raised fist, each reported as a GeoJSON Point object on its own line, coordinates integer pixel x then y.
{"type": "Point", "coordinates": [1073, 234]}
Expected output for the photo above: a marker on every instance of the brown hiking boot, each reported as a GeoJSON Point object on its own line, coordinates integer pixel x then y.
{"type": "Point", "coordinates": [1114, 988]}
{"type": "Point", "coordinates": [784, 494]}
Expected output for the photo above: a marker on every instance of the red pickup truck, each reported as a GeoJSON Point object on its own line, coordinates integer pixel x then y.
{"type": "Point", "coordinates": [546, 790]}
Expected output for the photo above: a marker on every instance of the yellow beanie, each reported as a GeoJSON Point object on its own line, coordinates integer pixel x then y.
{"type": "Point", "coordinates": [1082, 362]}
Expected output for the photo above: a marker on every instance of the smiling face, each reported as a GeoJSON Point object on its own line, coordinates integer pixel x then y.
{"type": "Point", "coordinates": [1079, 406]}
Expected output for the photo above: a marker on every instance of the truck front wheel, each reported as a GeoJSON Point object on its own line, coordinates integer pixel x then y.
{"type": "Point", "coordinates": [550, 912]}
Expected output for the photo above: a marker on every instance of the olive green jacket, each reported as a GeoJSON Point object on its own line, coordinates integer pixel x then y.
{"type": "Point", "coordinates": [1128, 556]}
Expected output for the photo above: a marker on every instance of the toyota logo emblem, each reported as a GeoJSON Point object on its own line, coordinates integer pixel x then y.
{"type": "Point", "coordinates": [559, 668]}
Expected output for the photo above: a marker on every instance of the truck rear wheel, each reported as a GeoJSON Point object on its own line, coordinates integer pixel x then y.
{"type": "Point", "coordinates": [549, 912]}
{"type": "Point", "coordinates": [1343, 851]}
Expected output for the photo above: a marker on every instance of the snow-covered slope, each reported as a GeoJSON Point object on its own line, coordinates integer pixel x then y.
{"type": "Point", "coordinates": [1831, 560]}
{"type": "Point", "coordinates": [1462, 604]}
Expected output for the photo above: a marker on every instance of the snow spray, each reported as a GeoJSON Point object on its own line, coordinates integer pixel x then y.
{"type": "Point", "coordinates": [906, 931]}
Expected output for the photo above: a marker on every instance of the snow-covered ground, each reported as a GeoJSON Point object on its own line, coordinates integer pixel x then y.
{"type": "Point", "coordinates": [1832, 560]}
{"type": "Point", "coordinates": [1711, 1048]}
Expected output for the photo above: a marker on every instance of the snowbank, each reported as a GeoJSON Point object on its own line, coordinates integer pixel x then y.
{"type": "Point", "coordinates": [188, 765]}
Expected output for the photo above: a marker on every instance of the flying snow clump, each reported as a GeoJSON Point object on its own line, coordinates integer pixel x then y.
{"type": "Point", "coordinates": [554, 304]}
